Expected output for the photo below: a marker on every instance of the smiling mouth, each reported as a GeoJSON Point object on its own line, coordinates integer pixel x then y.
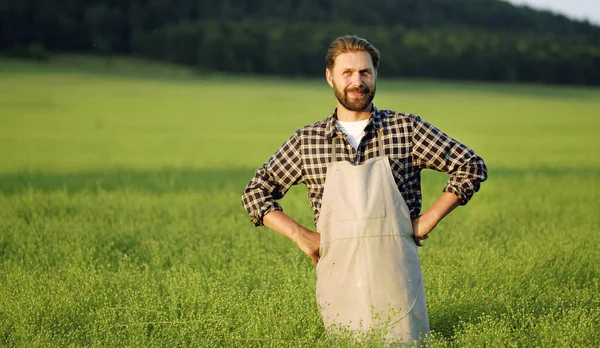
{"type": "Point", "coordinates": [357, 93]}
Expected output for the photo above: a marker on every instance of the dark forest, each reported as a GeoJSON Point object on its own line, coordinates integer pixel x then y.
{"type": "Point", "coordinates": [454, 39]}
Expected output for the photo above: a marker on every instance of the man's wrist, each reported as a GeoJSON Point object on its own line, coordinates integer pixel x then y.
{"type": "Point", "coordinates": [432, 216]}
{"type": "Point", "coordinates": [296, 232]}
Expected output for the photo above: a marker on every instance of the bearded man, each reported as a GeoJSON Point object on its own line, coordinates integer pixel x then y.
{"type": "Point", "coordinates": [361, 167]}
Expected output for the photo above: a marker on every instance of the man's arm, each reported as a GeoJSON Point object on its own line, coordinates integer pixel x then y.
{"type": "Point", "coordinates": [425, 223]}
{"type": "Point", "coordinates": [436, 150]}
{"type": "Point", "coordinates": [272, 181]}
{"type": "Point", "coordinates": [269, 184]}
{"type": "Point", "coordinates": [307, 240]}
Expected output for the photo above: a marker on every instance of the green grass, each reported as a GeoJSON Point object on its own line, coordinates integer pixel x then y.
{"type": "Point", "coordinates": [121, 222]}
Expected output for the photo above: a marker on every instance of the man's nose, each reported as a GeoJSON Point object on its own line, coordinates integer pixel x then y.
{"type": "Point", "coordinates": [356, 80]}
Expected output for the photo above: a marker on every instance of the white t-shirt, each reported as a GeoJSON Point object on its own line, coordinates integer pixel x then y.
{"type": "Point", "coordinates": [354, 130]}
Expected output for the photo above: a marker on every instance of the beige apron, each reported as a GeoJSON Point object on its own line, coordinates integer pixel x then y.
{"type": "Point", "coordinates": [369, 278]}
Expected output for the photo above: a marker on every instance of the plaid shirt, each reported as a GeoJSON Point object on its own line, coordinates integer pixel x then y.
{"type": "Point", "coordinates": [410, 143]}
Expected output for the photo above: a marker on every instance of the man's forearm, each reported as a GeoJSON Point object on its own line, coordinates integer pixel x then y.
{"type": "Point", "coordinates": [307, 240]}
{"type": "Point", "coordinates": [426, 222]}
{"type": "Point", "coordinates": [280, 222]}
{"type": "Point", "coordinates": [443, 206]}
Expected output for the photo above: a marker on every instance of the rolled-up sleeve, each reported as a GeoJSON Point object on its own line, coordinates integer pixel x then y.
{"type": "Point", "coordinates": [273, 180]}
{"type": "Point", "coordinates": [434, 149]}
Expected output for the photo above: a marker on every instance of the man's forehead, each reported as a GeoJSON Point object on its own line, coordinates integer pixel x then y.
{"type": "Point", "coordinates": [354, 60]}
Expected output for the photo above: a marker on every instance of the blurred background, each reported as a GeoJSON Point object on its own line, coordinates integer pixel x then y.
{"type": "Point", "coordinates": [491, 40]}
{"type": "Point", "coordinates": [129, 130]}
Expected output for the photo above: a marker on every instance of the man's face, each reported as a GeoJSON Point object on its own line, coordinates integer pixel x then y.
{"type": "Point", "coordinates": [353, 80]}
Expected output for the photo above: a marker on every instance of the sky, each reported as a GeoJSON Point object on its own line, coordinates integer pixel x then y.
{"type": "Point", "coordinates": [577, 9]}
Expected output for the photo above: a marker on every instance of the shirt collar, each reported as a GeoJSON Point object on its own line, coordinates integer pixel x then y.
{"type": "Point", "coordinates": [332, 129]}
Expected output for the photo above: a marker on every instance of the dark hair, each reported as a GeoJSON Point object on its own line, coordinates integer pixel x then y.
{"type": "Point", "coordinates": [350, 43]}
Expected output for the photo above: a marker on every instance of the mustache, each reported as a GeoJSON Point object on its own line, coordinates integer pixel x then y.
{"type": "Point", "coordinates": [359, 89]}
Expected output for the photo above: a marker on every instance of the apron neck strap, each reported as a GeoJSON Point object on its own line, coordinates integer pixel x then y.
{"type": "Point", "coordinates": [333, 154]}
{"type": "Point", "coordinates": [380, 142]}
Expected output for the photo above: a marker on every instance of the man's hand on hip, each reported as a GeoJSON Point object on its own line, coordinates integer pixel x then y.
{"type": "Point", "coordinates": [425, 223]}
{"type": "Point", "coordinates": [422, 225]}
{"type": "Point", "coordinates": [307, 240]}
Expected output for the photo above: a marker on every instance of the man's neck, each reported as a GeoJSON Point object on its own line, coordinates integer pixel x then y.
{"type": "Point", "coordinates": [346, 115]}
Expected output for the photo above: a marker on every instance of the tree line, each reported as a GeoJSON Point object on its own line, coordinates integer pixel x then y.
{"type": "Point", "coordinates": [457, 39]}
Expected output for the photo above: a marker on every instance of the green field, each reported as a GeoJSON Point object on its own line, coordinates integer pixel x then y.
{"type": "Point", "coordinates": [121, 222]}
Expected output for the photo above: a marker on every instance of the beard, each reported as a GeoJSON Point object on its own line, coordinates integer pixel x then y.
{"type": "Point", "coordinates": [355, 104]}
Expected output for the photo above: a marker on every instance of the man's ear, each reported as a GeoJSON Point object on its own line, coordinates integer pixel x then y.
{"type": "Point", "coordinates": [329, 77]}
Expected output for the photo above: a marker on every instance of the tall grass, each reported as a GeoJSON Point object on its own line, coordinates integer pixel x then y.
{"type": "Point", "coordinates": [121, 222]}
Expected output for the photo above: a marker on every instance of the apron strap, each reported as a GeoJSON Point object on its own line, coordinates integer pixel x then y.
{"type": "Point", "coordinates": [380, 142]}
{"type": "Point", "coordinates": [333, 152]}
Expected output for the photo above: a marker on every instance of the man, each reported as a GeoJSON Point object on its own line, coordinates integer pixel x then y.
{"type": "Point", "coordinates": [361, 167]}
